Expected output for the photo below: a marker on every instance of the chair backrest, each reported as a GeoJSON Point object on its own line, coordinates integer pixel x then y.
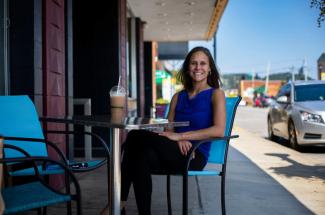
{"type": "Point", "coordinates": [219, 148]}
{"type": "Point", "coordinates": [18, 118]}
{"type": "Point", "coordinates": [166, 111]}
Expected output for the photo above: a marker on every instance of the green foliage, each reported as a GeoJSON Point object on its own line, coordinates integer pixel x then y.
{"type": "Point", "coordinates": [319, 4]}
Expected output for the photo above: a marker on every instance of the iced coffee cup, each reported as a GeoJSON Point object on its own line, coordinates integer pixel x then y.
{"type": "Point", "coordinates": [117, 95]}
{"type": "Point", "coordinates": [117, 115]}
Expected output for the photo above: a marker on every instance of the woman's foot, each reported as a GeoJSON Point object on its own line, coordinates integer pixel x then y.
{"type": "Point", "coordinates": [105, 211]}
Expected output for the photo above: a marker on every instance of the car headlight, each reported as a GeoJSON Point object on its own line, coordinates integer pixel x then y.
{"type": "Point", "coordinates": [310, 117]}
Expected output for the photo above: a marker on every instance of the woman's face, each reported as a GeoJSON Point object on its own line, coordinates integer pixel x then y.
{"type": "Point", "coordinates": [199, 67]}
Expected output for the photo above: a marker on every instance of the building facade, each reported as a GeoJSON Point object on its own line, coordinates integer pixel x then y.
{"type": "Point", "coordinates": [321, 67]}
{"type": "Point", "coordinates": [56, 51]}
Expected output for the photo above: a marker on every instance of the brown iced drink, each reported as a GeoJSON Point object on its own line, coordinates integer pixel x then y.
{"type": "Point", "coordinates": [117, 101]}
{"type": "Point", "coordinates": [117, 94]}
{"type": "Point", "coordinates": [117, 115]}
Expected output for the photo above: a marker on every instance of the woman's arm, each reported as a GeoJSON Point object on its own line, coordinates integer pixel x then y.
{"type": "Point", "coordinates": [171, 112]}
{"type": "Point", "coordinates": [216, 130]}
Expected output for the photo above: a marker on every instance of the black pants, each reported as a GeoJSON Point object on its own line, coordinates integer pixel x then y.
{"type": "Point", "coordinates": [146, 152]}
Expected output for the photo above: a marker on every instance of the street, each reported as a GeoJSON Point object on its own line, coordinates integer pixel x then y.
{"type": "Point", "coordinates": [254, 120]}
{"type": "Point", "coordinates": [301, 173]}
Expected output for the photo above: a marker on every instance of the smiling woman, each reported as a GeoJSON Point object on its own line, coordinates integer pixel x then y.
{"type": "Point", "coordinates": [202, 104]}
{"type": "Point", "coordinates": [199, 55]}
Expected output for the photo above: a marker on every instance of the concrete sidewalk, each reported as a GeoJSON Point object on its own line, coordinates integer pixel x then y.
{"type": "Point", "coordinates": [250, 188]}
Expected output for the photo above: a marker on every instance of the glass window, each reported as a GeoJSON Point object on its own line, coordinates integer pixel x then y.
{"type": "Point", "coordinates": [314, 92]}
{"type": "Point", "coordinates": [284, 90]}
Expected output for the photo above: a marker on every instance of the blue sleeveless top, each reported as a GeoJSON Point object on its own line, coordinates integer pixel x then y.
{"type": "Point", "coordinates": [198, 111]}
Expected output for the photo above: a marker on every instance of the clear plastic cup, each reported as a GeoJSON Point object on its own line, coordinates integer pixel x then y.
{"type": "Point", "coordinates": [117, 95]}
{"type": "Point", "coordinates": [117, 115]}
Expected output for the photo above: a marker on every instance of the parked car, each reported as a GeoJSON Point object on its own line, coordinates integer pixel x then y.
{"type": "Point", "coordinates": [298, 114]}
{"type": "Point", "coordinates": [262, 101]}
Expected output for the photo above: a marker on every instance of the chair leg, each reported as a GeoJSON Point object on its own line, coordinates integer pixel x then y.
{"type": "Point", "coordinates": [67, 187]}
{"type": "Point", "coordinates": [169, 203]}
{"type": "Point", "coordinates": [108, 177]}
{"type": "Point", "coordinates": [223, 203]}
{"type": "Point", "coordinates": [185, 191]}
{"type": "Point", "coordinates": [199, 196]}
{"type": "Point", "coordinates": [79, 206]}
{"type": "Point", "coordinates": [44, 210]}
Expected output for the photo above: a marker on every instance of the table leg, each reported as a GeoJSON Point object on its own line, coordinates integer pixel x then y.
{"type": "Point", "coordinates": [115, 173]}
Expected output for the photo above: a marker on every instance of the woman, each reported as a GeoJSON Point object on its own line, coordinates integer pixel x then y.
{"type": "Point", "coordinates": [202, 103]}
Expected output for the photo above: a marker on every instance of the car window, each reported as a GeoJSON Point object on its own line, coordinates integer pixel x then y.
{"type": "Point", "coordinates": [314, 92]}
{"type": "Point", "coordinates": [284, 90]}
{"type": "Point", "coordinates": [287, 90]}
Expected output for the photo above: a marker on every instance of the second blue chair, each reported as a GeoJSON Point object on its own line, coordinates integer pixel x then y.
{"type": "Point", "coordinates": [218, 155]}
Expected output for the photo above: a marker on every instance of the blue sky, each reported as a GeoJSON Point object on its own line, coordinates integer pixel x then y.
{"type": "Point", "coordinates": [254, 32]}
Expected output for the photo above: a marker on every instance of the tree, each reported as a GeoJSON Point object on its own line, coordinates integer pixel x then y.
{"type": "Point", "coordinates": [319, 4]}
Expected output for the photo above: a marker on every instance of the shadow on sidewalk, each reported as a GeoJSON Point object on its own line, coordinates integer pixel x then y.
{"type": "Point", "coordinates": [315, 149]}
{"type": "Point", "coordinates": [296, 169]}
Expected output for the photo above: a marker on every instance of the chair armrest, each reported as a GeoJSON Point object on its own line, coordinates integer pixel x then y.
{"type": "Point", "coordinates": [102, 142]}
{"type": "Point", "coordinates": [43, 160]}
{"type": "Point", "coordinates": [193, 149]}
{"type": "Point", "coordinates": [17, 149]}
{"type": "Point", "coordinates": [63, 157]}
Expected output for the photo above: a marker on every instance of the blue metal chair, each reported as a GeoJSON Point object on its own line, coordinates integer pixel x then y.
{"type": "Point", "coordinates": [37, 194]}
{"type": "Point", "coordinates": [20, 125]}
{"type": "Point", "coordinates": [218, 155]}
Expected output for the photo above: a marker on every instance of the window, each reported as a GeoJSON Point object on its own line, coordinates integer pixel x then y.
{"type": "Point", "coordinates": [313, 92]}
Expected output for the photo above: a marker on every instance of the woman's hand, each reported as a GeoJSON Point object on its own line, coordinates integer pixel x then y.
{"type": "Point", "coordinates": [171, 135]}
{"type": "Point", "coordinates": [184, 146]}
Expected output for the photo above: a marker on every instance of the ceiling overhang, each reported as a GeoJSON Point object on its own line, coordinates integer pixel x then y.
{"type": "Point", "coordinates": [178, 20]}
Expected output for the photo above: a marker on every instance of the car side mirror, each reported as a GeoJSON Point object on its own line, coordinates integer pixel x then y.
{"type": "Point", "coordinates": [283, 100]}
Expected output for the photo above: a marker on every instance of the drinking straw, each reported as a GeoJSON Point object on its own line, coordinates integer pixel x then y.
{"type": "Point", "coordinates": [119, 82]}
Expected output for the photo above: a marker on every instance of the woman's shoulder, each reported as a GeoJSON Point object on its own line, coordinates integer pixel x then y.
{"type": "Point", "coordinates": [176, 96]}
{"type": "Point", "coordinates": [180, 94]}
{"type": "Point", "coordinates": [218, 93]}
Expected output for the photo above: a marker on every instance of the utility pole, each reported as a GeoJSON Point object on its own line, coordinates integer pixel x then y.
{"type": "Point", "coordinates": [268, 67]}
{"type": "Point", "coordinates": [292, 73]}
{"type": "Point", "coordinates": [304, 66]}
{"type": "Point", "coordinates": [253, 79]}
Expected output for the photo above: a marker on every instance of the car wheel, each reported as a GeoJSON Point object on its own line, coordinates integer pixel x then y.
{"type": "Point", "coordinates": [293, 137]}
{"type": "Point", "coordinates": [270, 131]}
